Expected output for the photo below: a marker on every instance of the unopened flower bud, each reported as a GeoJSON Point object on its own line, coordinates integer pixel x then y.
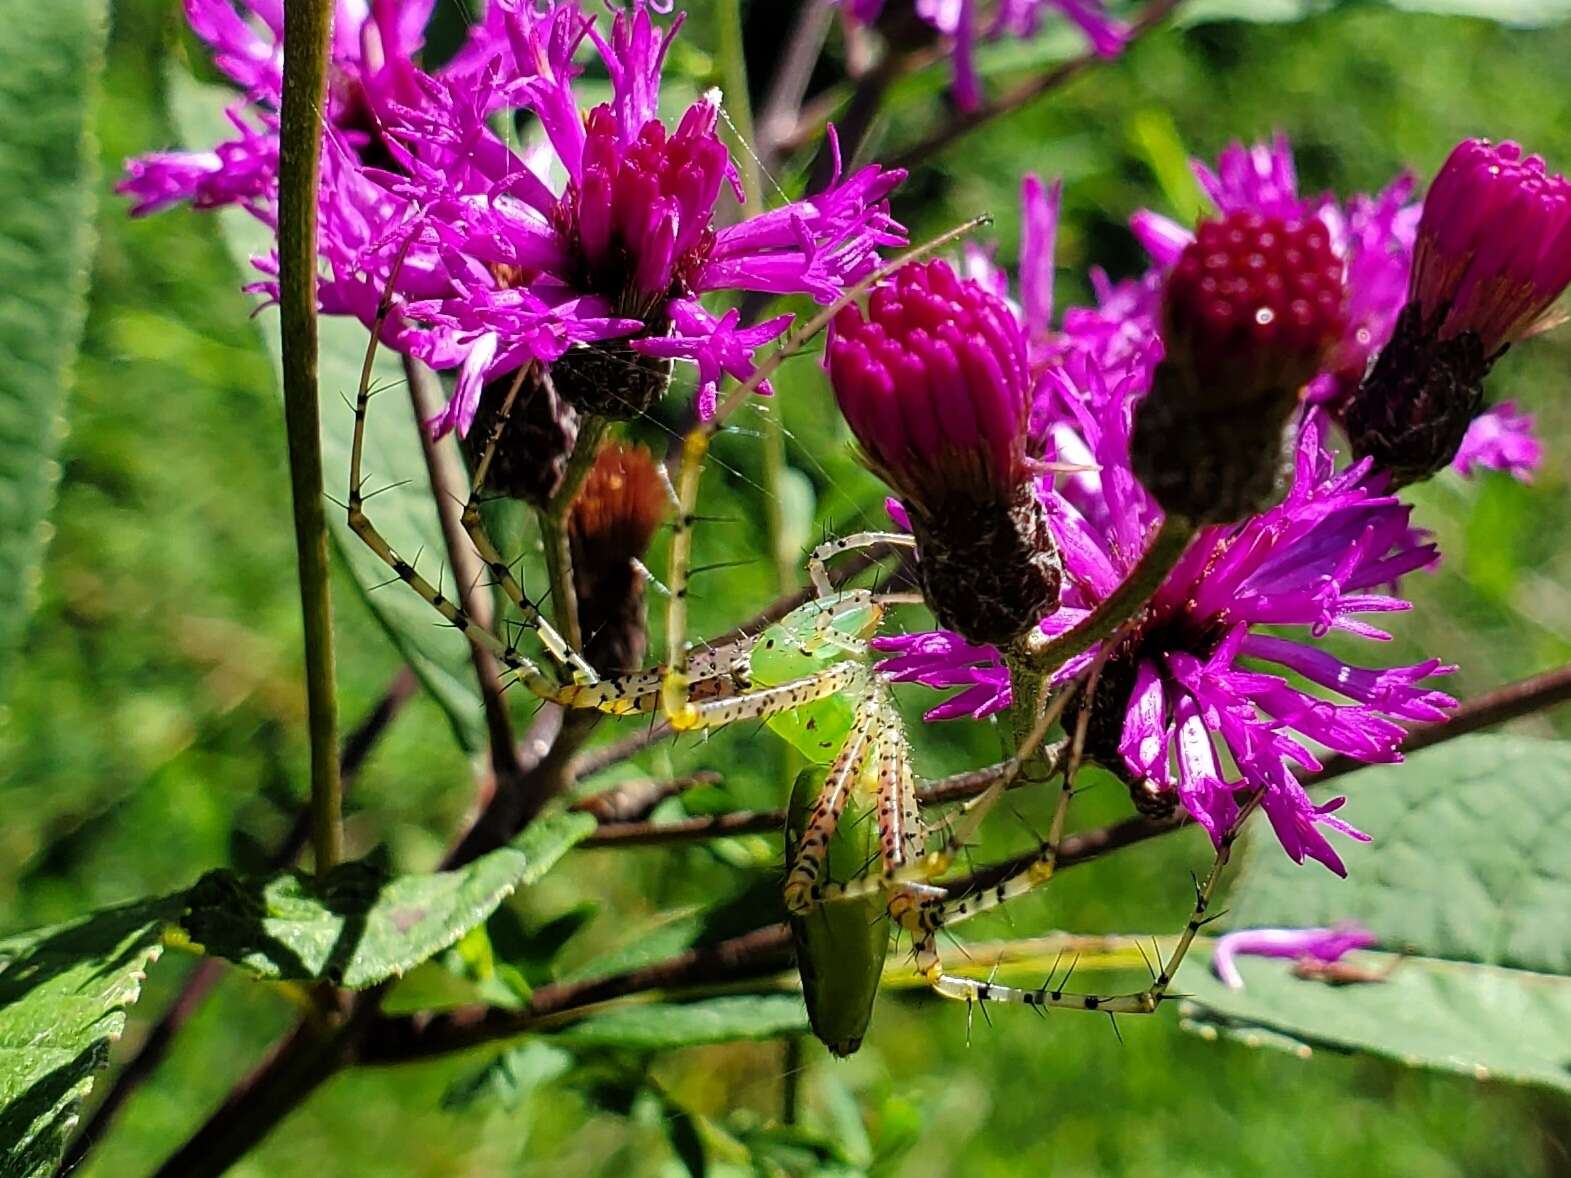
{"type": "Point", "coordinates": [1250, 311]}
{"type": "Point", "coordinates": [609, 529]}
{"type": "Point", "coordinates": [1493, 253]}
{"type": "Point", "coordinates": [535, 444]}
{"type": "Point", "coordinates": [934, 383]}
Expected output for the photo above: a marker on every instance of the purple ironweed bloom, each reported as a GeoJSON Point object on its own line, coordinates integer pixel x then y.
{"type": "Point", "coordinates": [618, 256]}
{"type": "Point", "coordinates": [1199, 681]}
{"type": "Point", "coordinates": [1373, 235]}
{"type": "Point", "coordinates": [1199, 669]}
{"type": "Point", "coordinates": [934, 383]}
{"type": "Point", "coordinates": [1250, 311]}
{"type": "Point", "coordinates": [1501, 438]}
{"type": "Point", "coordinates": [965, 25]}
{"type": "Point", "coordinates": [1493, 253]}
{"type": "Point", "coordinates": [1494, 244]}
{"type": "Point", "coordinates": [1324, 945]}
{"type": "Point", "coordinates": [371, 53]}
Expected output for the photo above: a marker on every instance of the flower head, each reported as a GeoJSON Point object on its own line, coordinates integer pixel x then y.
{"type": "Point", "coordinates": [933, 381]}
{"type": "Point", "coordinates": [1251, 310]}
{"type": "Point", "coordinates": [587, 251]}
{"type": "Point", "coordinates": [1494, 244]}
{"type": "Point", "coordinates": [601, 276]}
{"type": "Point", "coordinates": [1220, 684]}
{"type": "Point", "coordinates": [1493, 253]}
{"type": "Point", "coordinates": [1255, 302]}
{"type": "Point", "coordinates": [612, 521]}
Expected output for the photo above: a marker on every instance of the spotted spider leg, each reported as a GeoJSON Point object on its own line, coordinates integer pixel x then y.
{"type": "Point", "coordinates": [917, 871]}
{"type": "Point", "coordinates": [1145, 1001]}
{"type": "Point", "coordinates": [818, 562]}
{"type": "Point", "coordinates": [638, 692]}
{"type": "Point", "coordinates": [565, 657]}
{"type": "Point", "coordinates": [877, 742]}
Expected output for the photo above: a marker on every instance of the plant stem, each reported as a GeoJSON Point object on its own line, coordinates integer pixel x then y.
{"type": "Point", "coordinates": [1048, 654]}
{"type": "Point", "coordinates": [964, 122]}
{"type": "Point", "coordinates": [307, 24]}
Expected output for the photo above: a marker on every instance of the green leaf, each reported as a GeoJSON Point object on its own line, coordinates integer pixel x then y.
{"type": "Point", "coordinates": [1506, 12]}
{"type": "Point", "coordinates": [510, 1078]}
{"type": "Point", "coordinates": [359, 927]}
{"type": "Point", "coordinates": [64, 992]}
{"type": "Point", "coordinates": [399, 501]}
{"type": "Point", "coordinates": [1468, 875]}
{"type": "Point", "coordinates": [665, 1026]}
{"type": "Point", "coordinates": [50, 59]}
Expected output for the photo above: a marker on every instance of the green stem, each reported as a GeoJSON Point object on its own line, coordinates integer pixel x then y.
{"type": "Point", "coordinates": [306, 27]}
{"type": "Point", "coordinates": [1048, 654]}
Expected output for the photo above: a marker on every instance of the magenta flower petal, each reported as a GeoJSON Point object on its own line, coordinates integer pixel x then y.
{"type": "Point", "coordinates": [1297, 944]}
{"type": "Point", "coordinates": [1501, 438]}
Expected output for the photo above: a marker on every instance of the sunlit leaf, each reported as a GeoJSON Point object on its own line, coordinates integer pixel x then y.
{"type": "Point", "coordinates": [64, 992]}
{"type": "Point", "coordinates": [359, 926]}
{"type": "Point", "coordinates": [1469, 877]}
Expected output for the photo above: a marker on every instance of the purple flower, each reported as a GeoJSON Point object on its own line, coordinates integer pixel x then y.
{"type": "Point", "coordinates": [933, 382]}
{"type": "Point", "coordinates": [618, 255]}
{"type": "Point", "coordinates": [1322, 945]}
{"type": "Point", "coordinates": [1494, 244]}
{"type": "Point", "coordinates": [1501, 438]}
{"type": "Point", "coordinates": [1373, 235]}
{"type": "Point", "coordinates": [1493, 253]}
{"type": "Point", "coordinates": [371, 54]}
{"type": "Point", "coordinates": [961, 23]}
{"type": "Point", "coordinates": [1224, 683]}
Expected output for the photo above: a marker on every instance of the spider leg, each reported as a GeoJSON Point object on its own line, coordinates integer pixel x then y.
{"type": "Point", "coordinates": [818, 563]}
{"type": "Point", "coordinates": [556, 646]}
{"type": "Point", "coordinates": [1145, 1001]}
{"type": "Point", "coordinates": [679, 710]}
{"type": "Point", "coordinates": [803, 888]}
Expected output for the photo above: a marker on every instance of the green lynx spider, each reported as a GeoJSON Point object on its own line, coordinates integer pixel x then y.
{"type": "Point", "coordinates": [810, 678]}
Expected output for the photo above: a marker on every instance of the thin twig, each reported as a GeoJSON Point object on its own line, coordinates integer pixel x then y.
{"type": "Point", "coordinates": [962, 123]}
{"type": "Point", "coordinates": [395, 1040]}
{"type": "Point", "coordinates": [633, 800]}
{"type": "Point", "coordinates": [955, 788]}
{"type": "Point", "coordinates": [449, 485]}
{"type": "Point", "coordinates": [305, 88]}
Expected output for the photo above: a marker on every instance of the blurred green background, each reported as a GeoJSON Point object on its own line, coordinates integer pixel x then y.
{"type": "Point", "coordinates": [155, 727]}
